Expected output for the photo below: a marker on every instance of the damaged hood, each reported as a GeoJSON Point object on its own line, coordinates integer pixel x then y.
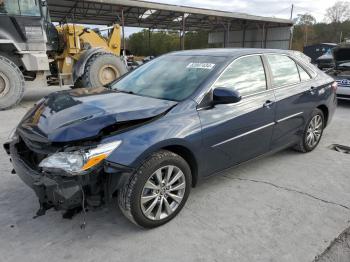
{"type": "Point", "coordinates": [84, 113]}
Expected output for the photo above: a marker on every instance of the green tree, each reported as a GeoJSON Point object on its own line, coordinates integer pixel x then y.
{"type": "Point", "coordinates": [156, 43]}
{"type": "Point", "coordinates": [306, 22]}
{"type": "Point", "coordinates": [339, 12]}
{"type": "Point", "coordinates": [305, 19]}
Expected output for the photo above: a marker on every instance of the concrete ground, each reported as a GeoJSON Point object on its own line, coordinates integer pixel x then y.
{"type": "Point", "coordinates": [338, 251]}
{"type": "Point", "coordinates": [285, 207]}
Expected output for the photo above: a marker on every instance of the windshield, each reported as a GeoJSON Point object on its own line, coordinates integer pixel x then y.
{"type": "Point", "coordinates": [20, 7]}
{"type": "Point", "coordinates": [169, 77]}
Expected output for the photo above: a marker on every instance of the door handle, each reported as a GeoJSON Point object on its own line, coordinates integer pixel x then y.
{"type": "Point", "coordinates": [268, 104]}
{"type": "Point", "coordinates": [313, 90]}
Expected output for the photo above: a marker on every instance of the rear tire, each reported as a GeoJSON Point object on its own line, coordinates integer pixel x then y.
{"type": "Point", "coordinates": [313, 132]}
{"type": "Point", "coordinates": [100, 70]}
{"type": "Point", "coordinates": [11, 84]}
{"type": "Point", "coordinates": [143, 190]}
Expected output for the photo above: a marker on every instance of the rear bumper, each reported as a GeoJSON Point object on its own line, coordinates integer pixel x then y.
{"type": "Point", "coordinates": [64, 193]}
{"type": "Point", "coordinates": [343, 91]}
{"type": "Point", "coordinates": [343, 97]}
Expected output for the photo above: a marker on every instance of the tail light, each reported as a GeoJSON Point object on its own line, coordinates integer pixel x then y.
{"type": "Point", "coordinates": [334, 86]}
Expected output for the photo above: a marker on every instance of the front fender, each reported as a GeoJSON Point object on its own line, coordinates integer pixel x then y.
{"type": "Point", "coordinates": [137, 162]}
{"type": "Point", "coordinates": [138, 144]}
{"type": "Point", "coordinates": [79, 66]}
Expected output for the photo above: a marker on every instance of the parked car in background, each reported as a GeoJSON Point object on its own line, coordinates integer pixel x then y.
{"type": "Point", "coordinates": [325, 61]}
{"type": "Point", "coordinates": [318, 50]}
{"type": "Point", "coordinates": [341, 71]}
{"type": "Point", "coordinates": [153, 134]}
{"type": "Point", "coordinates": [147, 59]}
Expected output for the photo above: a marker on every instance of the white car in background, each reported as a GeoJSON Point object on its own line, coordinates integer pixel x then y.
{"type": "Point", "coordinates": [343, 91]}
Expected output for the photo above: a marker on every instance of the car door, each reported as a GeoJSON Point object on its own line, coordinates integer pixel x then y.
{"type": "Point", "coordinates": [234, 133]}
{"type": "Point", "coordinates": [294, 91]}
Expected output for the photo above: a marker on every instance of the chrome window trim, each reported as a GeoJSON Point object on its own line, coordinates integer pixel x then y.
{"type": "Point", "coordinates": [258, 93]}
{"type": "Point", "coordinates": [201, 96]}
{"type": "Point", "coordinates": [244, 98]}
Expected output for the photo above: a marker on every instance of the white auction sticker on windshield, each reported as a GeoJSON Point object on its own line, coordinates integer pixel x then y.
{"type": "Point", "coordinates": [201, 66]}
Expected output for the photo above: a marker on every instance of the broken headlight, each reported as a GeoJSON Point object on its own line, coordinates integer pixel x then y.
{"type": "Point", "coordinates": [79, 161]}
{"type": "Point", "coordinates": [13, 135]}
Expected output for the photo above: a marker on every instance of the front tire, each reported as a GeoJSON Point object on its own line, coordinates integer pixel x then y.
{"type": "Point", "coordinates": [11, 84]}
{"type": "Point", "coordinates": [157, 192]}
{"type": "Point", "coordinates": [100, 70]}
{"type": "Point", "coordinates": [313, 132]}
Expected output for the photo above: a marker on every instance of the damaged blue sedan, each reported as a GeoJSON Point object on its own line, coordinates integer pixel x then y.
{"type": "Point", "coordinates": [149, 137]}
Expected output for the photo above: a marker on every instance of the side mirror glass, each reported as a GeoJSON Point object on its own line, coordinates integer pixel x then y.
{"type": "Point", "coordinates": [223, 95]}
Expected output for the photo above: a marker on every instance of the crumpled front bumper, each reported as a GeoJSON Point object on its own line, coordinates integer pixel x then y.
{"type": "Point", "coordinates": [59, 192]}
{"type": "Point", "coordinates": [63, 192]}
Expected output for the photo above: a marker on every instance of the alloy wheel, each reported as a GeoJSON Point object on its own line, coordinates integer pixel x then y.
{"type": "Point", "coordinates": [163, 192]}
{"type": "Point", "coordinates": [314, 131]}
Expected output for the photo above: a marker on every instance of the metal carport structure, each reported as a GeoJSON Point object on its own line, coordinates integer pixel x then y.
{"type": "Point", "coordinates": [134, 13]}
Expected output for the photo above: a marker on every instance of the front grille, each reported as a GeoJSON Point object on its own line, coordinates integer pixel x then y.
{"type": "Point", "coordinates": [30, 157]}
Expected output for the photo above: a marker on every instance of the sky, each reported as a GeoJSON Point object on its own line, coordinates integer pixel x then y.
{"type": "Point", "coordinates": [271, 8]}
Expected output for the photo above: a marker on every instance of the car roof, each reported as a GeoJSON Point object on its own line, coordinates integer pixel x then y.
{"type": "Point", "coordinates": [228, 52]}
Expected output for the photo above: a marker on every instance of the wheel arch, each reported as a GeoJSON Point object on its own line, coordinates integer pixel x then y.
{"type": "Point", "coordinates": [189, 157]}
{"type": "Point", "coordinates": [176, 146]}
{"type": "Point", "coordinates": [325, 112]}
{"type": "Point", "coordinates": [12, 57]}
{"type": "Point", "coordinates": [79, 66]}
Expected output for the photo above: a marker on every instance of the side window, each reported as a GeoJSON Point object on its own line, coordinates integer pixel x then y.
{"type": "Point", "coordinates": [284, 70]}
{"type": "Point", "coordinates": [304, 76]}
{"type": "Point", "coordinates": [20, 7]}
{"type": "Point", "coordinates": [246, 75]}
{"type": "Point", "coordinates": [10, 7]}
{"type": "Point", "coordinates": [29, 7]}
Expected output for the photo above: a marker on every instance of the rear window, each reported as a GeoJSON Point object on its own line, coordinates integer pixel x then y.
{"type": "Point", "coordinates": [284, 70]}
{"type": "Point", "coordinates": [304, 76]}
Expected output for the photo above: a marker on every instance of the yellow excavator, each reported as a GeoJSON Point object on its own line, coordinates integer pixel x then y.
{"type": "Point", "coordinates": [85, 57]}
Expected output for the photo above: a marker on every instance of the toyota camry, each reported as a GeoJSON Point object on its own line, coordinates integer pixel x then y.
{"type": "Point", "coordinates": [149, 137]}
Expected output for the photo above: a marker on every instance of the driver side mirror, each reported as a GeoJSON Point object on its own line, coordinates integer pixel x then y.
{"type": "Point", "coordinates": [223, 96]}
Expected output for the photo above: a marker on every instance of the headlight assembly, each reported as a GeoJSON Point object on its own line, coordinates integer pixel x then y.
{"type": "Point", "coordinates": [13, 135]}
{"type": "Point", "coordinates": [77, 162]}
